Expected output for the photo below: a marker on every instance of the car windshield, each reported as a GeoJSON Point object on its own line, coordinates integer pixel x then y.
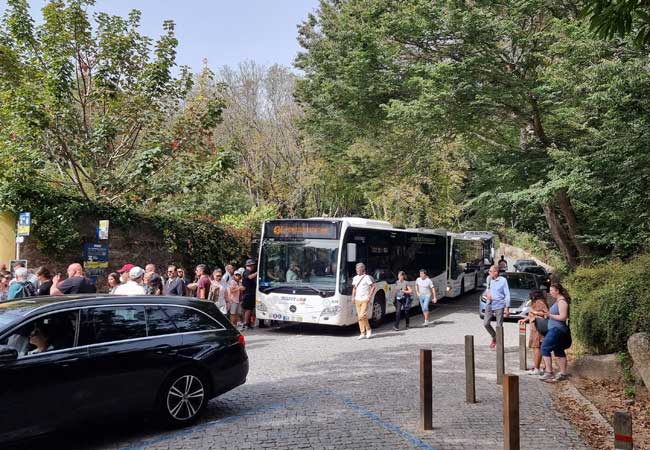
{"type": "Point", "coordinates": [521, 281]}
{"type": "Point", "coordinates": [536, 270]}
{"type": "Point", "coordinates": [9, 312]}
{"type": "Point", "coordinates": [526, 262]}
{"type": "Point", "coordinates": [301, 262]}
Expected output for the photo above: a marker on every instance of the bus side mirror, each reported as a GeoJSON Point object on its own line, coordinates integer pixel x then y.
{"type": "Point", "coordinates": [351, 252]}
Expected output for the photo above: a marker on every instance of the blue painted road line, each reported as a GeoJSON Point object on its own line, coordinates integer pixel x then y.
{"type": "Point", "coordinates": [389, 426]}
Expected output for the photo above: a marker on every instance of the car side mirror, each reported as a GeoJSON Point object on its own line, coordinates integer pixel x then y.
{"type": "Point", "coordinates": [8, 354]}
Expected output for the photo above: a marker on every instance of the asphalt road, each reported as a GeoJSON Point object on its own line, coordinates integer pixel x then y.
{"type": "Point", "coordinates": [320, 387]}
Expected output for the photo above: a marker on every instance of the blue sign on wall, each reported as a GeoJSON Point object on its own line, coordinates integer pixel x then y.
{"type": "Point", "coordinates": [95, 259]}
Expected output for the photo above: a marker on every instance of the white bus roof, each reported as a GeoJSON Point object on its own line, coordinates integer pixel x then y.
{"type": "Point", "coordinates": [380, 224]}
{"type": "Point", "coordinates": [473, 235]}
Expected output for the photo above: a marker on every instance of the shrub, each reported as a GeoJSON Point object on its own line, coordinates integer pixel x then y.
{"type": "Point", "coordinates": [611, 301]}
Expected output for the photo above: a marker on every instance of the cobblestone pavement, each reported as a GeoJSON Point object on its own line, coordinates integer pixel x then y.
{"type": "Point", "coordinates": [319, 387]}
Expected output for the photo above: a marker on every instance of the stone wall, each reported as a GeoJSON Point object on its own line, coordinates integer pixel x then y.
{"type": "Point", "coordinates": [139, 245]}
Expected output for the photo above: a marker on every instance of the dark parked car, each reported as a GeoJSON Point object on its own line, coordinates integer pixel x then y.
{"type": "Point", "coordinates": [520, 264]}
{"type": "Point", "coordinates": [67, 359]}
{"type": "Point", "coordinates": [540, 272]}
{"type": "Point", "coordinates": [519, 284]}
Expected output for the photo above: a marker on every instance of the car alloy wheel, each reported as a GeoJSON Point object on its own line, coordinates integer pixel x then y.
{"type": "Point", "coordinates": [185, 397]}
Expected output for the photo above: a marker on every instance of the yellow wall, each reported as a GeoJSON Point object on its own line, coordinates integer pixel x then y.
{"type": "Point", "coordinates": [7, 237]}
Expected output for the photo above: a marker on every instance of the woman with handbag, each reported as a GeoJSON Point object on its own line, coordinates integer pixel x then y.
{"type": "Point", "coordinates": [558, 337]}
{"type": "Point", "coordinates": [402, 300]}
{"type": "Point", "coordinates": [537, 304]}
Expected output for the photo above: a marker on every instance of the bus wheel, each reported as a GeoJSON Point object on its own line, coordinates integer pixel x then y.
{"type": "Point", "coordinates": [378, 310]}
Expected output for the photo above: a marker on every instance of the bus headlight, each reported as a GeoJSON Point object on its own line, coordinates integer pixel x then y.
{"type": "Point", "coordinates": [331, 310]}
{"type": "Point", "coordinates": [261, 307]}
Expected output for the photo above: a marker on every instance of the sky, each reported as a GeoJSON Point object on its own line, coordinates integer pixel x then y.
{"type": "Point", "coordinates": [225, 32]}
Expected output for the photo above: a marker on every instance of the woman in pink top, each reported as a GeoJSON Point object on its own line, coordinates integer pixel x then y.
{"type": "Point", "coordinates": [236, 290]}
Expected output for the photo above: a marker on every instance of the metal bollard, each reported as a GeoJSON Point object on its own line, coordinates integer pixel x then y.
{"type": "Point", "coordinates": [500, 356]}
{"type": "Point", "coordinates": [623, 431]}
{"type": "Point", "coordinates": [523, 363]}
{"type": "Point", "coordinates": [470, 378]}
{"type": "Point", "coordinates": [426, 390]}
{"type": "Point", "coordinates": [510, 412]}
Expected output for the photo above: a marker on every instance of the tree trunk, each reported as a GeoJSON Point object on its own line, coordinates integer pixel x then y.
{"type": "Point", "coordinates": [564, 203]}
{"type": "Point", "coordinates": [560, 235]}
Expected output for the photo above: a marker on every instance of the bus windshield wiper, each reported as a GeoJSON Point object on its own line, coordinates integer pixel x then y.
{"type": "Point", "coordinates": [294, 287]}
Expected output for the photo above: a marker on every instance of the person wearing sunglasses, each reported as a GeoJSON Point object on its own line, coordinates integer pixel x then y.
{"type": "Point", "coordinates": [174, 285]}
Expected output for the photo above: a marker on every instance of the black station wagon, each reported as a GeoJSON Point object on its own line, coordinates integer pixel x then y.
{"type": "Point", "coordinates": [65, 359]}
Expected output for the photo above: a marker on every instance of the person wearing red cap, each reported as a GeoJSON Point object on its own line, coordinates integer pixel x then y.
{"type": "Point", "coordinates": [124, 272]}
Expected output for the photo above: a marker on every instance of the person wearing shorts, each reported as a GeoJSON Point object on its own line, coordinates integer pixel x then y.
{"type": "Point", "coordinates": [363, 289]}
{"type": "Point", "coordinates": [235, 293]}
{"type": "Point", "coordinates": [558, 336]}
{"type": "Point", "coordinates": [425, 290]}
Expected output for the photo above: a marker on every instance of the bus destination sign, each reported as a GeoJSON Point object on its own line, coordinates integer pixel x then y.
{"type": "Point", "coordinates": [301, 229]}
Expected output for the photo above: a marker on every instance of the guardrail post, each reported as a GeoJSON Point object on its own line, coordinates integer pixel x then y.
{"type": "Point", "coordinates": [500, 356]}
{"type": "Point", "coordinates": [523, 363]}
{"type": "Point", "coordinates": [426, 390]}
{"type": "Point", "coordinates": [510, 412]}
{"type": "Point", "coordinates": [623, 431]}
{"type": "Point", "coordinates": [470, 379]}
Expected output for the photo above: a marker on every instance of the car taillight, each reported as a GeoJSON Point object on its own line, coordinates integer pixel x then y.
{"type": "Point", "coordinates": [242, 340]}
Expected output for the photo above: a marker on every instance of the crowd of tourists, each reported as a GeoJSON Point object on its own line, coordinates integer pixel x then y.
{"type": "Point", "coordinates": [232, 290]}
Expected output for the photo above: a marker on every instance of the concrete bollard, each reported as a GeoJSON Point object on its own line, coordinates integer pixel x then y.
{"type": "Point", "coordinates": [523, 363]}
{"type": "Point", "coordinates": [623, 431]}
{"type": "Point", "coordinates": [510, 412]}
{"type": "Point", "coordinates": [500, 356]}
{"type": "Point", "coordinates": [426, 390]}
{"type": "Point", "coordinates": [470, 377]}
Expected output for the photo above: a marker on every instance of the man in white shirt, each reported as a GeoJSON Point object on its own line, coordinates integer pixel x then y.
{"type": "Point", "coordinates": [134, 285]}
{"type": "Point", "coordinates": [425, 289]}
{"type": "Point", "coordinates": [363, 288]}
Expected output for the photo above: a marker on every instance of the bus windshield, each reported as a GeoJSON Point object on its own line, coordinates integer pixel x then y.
{"type": "Point", "coordinates": [298, 263]}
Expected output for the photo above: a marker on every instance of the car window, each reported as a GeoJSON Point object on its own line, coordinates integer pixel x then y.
{"type": "Point", "coordinates": [158, 323]}
{"type": "Point", "coordinates": [54, 331]}
{"type": "Point", "coordinates": [187, 319]}
{"type": "Point", "coordinates": [112, 323]}
{"type": "Point", "coordinates": [521, 281]}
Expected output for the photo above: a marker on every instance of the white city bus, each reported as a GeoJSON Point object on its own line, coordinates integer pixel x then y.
{"type": "Point", "coordinates": [306, 266]}
{"type": "Point", "coordinates": [470, 255]}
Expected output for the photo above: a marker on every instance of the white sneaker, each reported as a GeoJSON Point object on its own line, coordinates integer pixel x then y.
{"type": "Point", "coordinates": [547, 376]}
{"type": "Point", "coordinates": [534, 371]}
{"type": "Point", "coordinates": [362, 336]}
{"type": "Point", "coordinates": [368, 334]}
{"type": "Point", "coordinates": [426, 323]}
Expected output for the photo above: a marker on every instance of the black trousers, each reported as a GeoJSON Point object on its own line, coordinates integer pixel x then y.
{"type": "Point", "coordinates": [402, 308]}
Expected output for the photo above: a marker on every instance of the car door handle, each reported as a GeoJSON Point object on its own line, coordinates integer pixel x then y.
{"type": "Point", "coordinates": [68, 362]}
{"type": "Point", "coordinates": [165, 350]}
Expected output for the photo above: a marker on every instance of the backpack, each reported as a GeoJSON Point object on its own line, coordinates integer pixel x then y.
{"type": "Point", "coordinates": [27, 289]}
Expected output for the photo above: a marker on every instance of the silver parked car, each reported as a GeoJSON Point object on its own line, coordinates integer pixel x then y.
{"type": "Point", "coordinates": [520, 284]}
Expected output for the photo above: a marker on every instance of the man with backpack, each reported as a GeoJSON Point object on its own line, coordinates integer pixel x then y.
{"type": "Point", "coordinates": [22, 287]}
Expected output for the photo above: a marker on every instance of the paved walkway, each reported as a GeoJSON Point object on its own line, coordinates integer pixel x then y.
{"type": "Point", "coordinates": [313, 387]}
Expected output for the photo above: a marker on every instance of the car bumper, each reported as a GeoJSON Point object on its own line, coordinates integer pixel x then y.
{"type": "Point", "coordinates": [515, 313]}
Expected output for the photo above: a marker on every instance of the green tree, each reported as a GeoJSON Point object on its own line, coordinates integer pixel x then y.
{"type": "Point", "coordinates": [492, 95]}
{"type": "Point", "coordinates": [96, 108]}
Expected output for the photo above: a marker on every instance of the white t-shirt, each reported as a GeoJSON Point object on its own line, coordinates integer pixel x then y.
{"type": "Point", "coordinates": [130, 288]}
{"type": "Point", "coordinates": [291, 275]}
{"type": "Point", "coordinates": [363, 283]}
{"type": "Point", "coordinates": [425, 286]}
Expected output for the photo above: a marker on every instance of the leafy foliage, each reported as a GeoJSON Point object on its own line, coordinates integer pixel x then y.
{"type": "Point", "coordinates": [56, 225]}
{"type": "Point", "coordinates": [92, 105]}
{"type": "Point", "coordinates": [609, 19]}
{"type": "Point", "coordinates": [480, 110]}
{"type": "Point", "coordinates": [610, 303]}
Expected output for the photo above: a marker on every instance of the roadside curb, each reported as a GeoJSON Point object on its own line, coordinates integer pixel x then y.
{"type": "Point", "coordinates": [570, 389]}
